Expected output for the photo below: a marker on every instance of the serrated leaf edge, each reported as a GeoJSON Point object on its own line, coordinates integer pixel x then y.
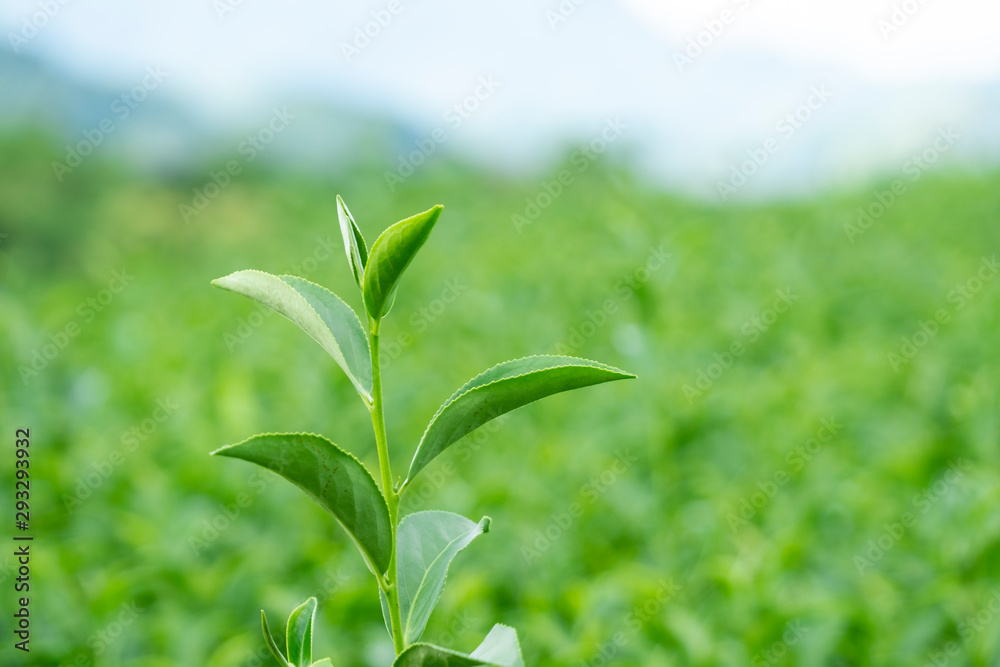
{"type": "Point", "coordinates": [517, 640]}
{"type": "Point", "coordinates": [463, 390]}
{"type": "Point", "coordinates": [364, 554]}
{"type": "Point", "coordinates": [405, 266]}
{"type": "Point", "coordinates": [310, 624]}
{"type": "Point", "coordinates": [484, 528]}
{"type": "Point", "coordinates": [365, 393]}
{"type": "Point", "coordinates": [269, 640]}
{"type": "Point", "coordinates": [447, 651]}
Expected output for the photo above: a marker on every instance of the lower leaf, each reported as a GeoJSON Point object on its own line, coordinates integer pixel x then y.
{"type": "Point", "coordinates": [333, 478]}
{"type": "Point", "coordinates": [428, 655]}
{"type": "Point", "coordinates": [427, 542]}
{"type": "Point", "coordinates": [501, 647]}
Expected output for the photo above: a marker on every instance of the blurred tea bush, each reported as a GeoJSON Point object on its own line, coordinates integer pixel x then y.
{"type": "Point", "coordinates": [776, 488]}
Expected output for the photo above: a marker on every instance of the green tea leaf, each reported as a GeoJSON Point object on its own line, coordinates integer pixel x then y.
{"type": "Point", "coordinates": [325, 662]}
{"type": "Point", "coordinates": [269, 640]}
{"type": "Point", "coordinates": [299, 634]}
{"type": "Point", "coordinates": [354, 242]}
{"type": "Point", "coordinates": [428, 655]}
{"type": "Point", "coordinates": [501, 389]}
{"type": "Point", "coordinates": [501, 647]}
{"type": "Point", "coordinates": [317, 311]}
{"type": "Point", "coordinates": [391, 253]}
{"type": "Point", "coordinates": [334, 479]}
{"type": "Point", "coordinates": [427, 542]}
{"type": "Point", "coordinates": [386, 614]}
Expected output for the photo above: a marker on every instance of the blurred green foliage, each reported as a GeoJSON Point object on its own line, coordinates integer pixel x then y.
{"type": "Point", "coordinates": [595, 562]}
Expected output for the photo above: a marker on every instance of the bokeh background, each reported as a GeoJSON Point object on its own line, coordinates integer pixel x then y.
{"type": "Point", "coordinates": [782, 216]}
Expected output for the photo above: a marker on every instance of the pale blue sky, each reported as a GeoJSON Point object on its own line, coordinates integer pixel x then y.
{"type": "Point", "coordinates": [688, 122]}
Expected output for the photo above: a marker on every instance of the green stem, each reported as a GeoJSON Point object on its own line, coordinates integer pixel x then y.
{"type": "Point", "coordinates": [388, 584]}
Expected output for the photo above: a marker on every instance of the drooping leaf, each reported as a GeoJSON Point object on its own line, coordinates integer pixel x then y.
{"type": "Point", "coordinates": [428, 655]}
{"type": "Point", "coordinates": [391, 253]}
{"type": "Point", "coordinates": [334, 479]}
{"type": "Point", "coordinates": [501, 389]}
{"type": "Point", "coordinates": [501, 647]}
{"type": "Point", "coordinates": [317, 311]}
{"type": "Point", "coordinates": [269, 640]}
{"type": "Point", "coordinates": [427, 542]}
{"type": "Point", "coordinates": [354, 242]}
{"type": "Point", "coordinates": [299, 633]}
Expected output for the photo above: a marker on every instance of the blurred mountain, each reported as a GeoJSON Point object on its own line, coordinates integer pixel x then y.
{"type": "Point", "coordinates": [691, 131]}
{"type": "Point", "coordinates": [155, 132]}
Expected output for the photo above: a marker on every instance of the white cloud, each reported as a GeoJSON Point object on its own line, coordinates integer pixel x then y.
{"type": "Point", "coordinates": [891, 40]}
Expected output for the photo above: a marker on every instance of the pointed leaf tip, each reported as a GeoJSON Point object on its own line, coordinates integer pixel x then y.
{"type": "Point", "coordinates": [501, 647]}
{"type": "Point", "coordinates": [499, 390]}
{"type": "Point", "coordinates": [354, 242]}
{"type": "Point", "coordinates": [272, 646]}
{"type": "Point", "coordinates": [427, 542]}
{"type": "Point", "coordinates": [391, 253]}
{"type": "Point", "coordinates": [300, 632]}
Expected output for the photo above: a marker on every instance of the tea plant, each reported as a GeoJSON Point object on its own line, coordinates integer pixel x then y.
{"type": "Point", "coordinates": [409, 557]}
